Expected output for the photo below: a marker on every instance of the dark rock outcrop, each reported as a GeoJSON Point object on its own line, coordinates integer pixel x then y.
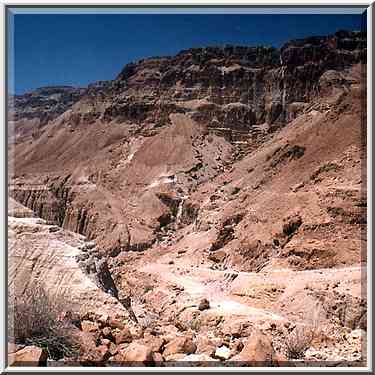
{"type": "Point", "coordinates": [46, 103]}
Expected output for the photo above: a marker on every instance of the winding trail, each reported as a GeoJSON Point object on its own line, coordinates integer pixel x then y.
{"type": "Point", "coordinates": [218, 287]}
{"type": "Point", "coordinates": [198, 288]}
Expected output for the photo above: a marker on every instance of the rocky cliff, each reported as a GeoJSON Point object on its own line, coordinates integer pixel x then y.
{"type": "Point", "coordinates": [235, 87]}
{"type": "Point", "coordinates": [44, 103]}
{"type": "Point", "coordinates": [97, 161]}
{"type": "Point", "coordinates": [45, 254]}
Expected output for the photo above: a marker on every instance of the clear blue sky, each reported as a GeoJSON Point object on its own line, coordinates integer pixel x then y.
{"type": "Point", "coordinates": [68, 49]}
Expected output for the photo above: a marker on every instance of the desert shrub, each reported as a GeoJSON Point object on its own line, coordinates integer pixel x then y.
{"type": "Point", "coordinates": [328, 167]}
{"type": "Point", "coordinates": [34, 319]}
{"type": "Point", "coordinates": [301, 338]}
{"type": "Point", "coordinates": [196, 324]}
{"type": "Point", "coordinates": [299, 341]}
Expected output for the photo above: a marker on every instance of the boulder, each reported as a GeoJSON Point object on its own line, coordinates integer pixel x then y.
{"type": "Point", "coordinates": [188, 316]}
{"type": "Point", "coordinates": [137, 354]}
{"type": "Point", "coordinates": [72, 317]}
{"type": "Point", "coordinates": [88, 352]}
{"type": "Point", "coordinates": [210, 320]}
{"type": "Point", "coordinates": [117, 359]}
{"type": "Point", "coordinates": [204, 304]}
{"type": "Point", "coordinates": [12, 347]}
{"type": "Point", "coordinates": [237, 328]}
{"type": "Point", "coordinates": [29, 356]}
{"type": "Point", "coordinates": [155, 343]}
{"type": "Point", "coordinates": [54, 228]}
{"type": "Point", "coordinates": [85, 339]}
{"type": "Point", "coordinates": [116, 323]}
{"type": "Point", "coordinates": [235, 347]}
{"type": "Point", "coordinates": [104, 353]}
{"type": "Point", "coordinates": [217, 256]}
{"type": "Point", "coordinates": [94, 356]}
{"type": "Point", "coordinates": [257, 351]}
{"type": "Point", "coordinates": [205, 345]}
{"type": "Point", "coordinates": [89, 315]}
{"type": "Point", "coordinates": [356, 335]}
{"type": "Point", "coordinates": [183, 344]}
{"type": "Point", "coordinates": [136, 332]}
{"type": "Point", "coordinates": [124, 336]}
{"type": "Point", "coordinates": [103, 320]}
{"type": "Point", "coordinates": [88, 245]}
{"type": "Point", "coordinates": [222, 353]}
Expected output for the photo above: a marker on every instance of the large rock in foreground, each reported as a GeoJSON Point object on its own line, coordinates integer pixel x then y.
{"type": "Point", "coordinates": [28, 356]}
{"type": "Point", "coordinates": [258, 351]}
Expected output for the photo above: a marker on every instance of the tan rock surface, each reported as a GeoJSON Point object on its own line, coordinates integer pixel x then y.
{"type": "Point", "coordinates": [37, 255]}
{"type": "Point", "coordinates": [28, 356]}
{"type": "Point", "coordinates": [180, 345]}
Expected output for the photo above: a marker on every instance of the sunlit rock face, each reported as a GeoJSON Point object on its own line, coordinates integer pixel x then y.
{"type": "Point", "coordinates": [45, 255]}
{"type": "Point", "coordinates": [97, 160]}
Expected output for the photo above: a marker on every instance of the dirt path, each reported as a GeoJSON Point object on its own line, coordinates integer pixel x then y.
{"type": "Point", "coordinates": [216, 285]}
{"type": "Point", "coordinates": [199, 287]}
{"type": "Point", "coordinates": [348, 280]}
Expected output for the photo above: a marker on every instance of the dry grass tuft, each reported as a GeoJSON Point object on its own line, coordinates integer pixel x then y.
{"type": "Point", "coordinates": [34, 319]}
{"type": "Point", "coordinates": [299, 341]}
{"type": "Point", "coordinates": [301, 338]}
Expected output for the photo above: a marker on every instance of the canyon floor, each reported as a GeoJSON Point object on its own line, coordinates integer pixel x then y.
{"type": "Point", "coordinates": [191, 314]}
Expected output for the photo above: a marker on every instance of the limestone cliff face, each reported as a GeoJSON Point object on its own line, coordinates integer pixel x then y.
{"type": "Point", "coordinates": [55, 200]}
{"type": "Point", "coordinates": [45, 254]}
{"type": "Point", "coordinates": [233, 87]}
{"type": "Point", "coordinates": [238, 86]}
